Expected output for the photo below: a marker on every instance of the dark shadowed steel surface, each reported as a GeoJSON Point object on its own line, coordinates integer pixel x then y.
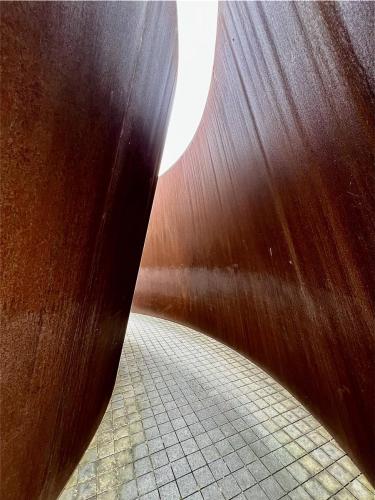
{"type": "Point", "coordinates": [262, 234]}
{"type": "Point", "coordinates": [85, 96]}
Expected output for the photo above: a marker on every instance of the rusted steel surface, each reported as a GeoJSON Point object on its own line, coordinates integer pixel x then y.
{"type": "Point", "coordinates": [262, 235]}
{"type": "Point", "coordinates": [85, 96]}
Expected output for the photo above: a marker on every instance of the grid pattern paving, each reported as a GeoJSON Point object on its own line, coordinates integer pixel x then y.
{"type": "Point", "coordinates": [191, 418]}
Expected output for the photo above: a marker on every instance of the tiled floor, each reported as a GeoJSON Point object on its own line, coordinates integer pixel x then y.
{"type": "Point", "coordinates": [190, 418]}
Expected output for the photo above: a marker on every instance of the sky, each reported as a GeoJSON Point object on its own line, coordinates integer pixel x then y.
{"type": "Point", "coordinates": [197, 22]}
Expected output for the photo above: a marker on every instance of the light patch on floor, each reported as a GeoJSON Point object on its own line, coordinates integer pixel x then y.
{"type": "Point", "coordinates": [191, 418]}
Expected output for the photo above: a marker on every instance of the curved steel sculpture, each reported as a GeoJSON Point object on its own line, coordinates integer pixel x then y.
{"type": "Point", "coordinates": [85, 95]}
{"type": "Point", "coordinates": [263, 233]}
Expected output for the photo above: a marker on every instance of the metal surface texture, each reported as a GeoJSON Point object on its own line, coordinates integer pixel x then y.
{"type": "Point", "coordinates": [85, 95]}
{"type": "Point", "coordinates": [262, 235]}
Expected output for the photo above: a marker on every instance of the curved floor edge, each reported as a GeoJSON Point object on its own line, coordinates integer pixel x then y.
{"type": "Point", "coordinates": [191, 418]}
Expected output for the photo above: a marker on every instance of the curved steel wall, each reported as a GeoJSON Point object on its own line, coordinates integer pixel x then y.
{"type": "Point", "coordinates": [85, 95]}
{"type": "Point", "coordinates": [262, 234]}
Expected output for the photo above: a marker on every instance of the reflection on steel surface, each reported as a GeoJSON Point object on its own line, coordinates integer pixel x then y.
{"type": "Point", "coordinates": [263, 233]}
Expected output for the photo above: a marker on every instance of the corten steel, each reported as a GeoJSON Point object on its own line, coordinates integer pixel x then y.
{"type": "Point", "coordinates": [85, 97]}
{"type": "Point", "coordinates": [262, 234]}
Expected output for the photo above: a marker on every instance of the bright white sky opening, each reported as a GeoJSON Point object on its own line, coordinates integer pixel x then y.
{"type": "Point", "coordinates": [197, 23]}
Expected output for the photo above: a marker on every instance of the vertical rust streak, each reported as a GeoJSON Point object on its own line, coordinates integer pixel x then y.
{"type": "Point", "coordinates": [85, 98]}
{"type": "Point", "coordinates": [269, 245]}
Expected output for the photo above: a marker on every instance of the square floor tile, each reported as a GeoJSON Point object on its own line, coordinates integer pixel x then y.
{"type": "Point", "coordinates": [169, 492]}
{"type": "Point", "coordinates": [204, 476]}
{"type": "Point", "coordinates": [180, 467]}
{"type": "Point", "coordinates": [187, 485]}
